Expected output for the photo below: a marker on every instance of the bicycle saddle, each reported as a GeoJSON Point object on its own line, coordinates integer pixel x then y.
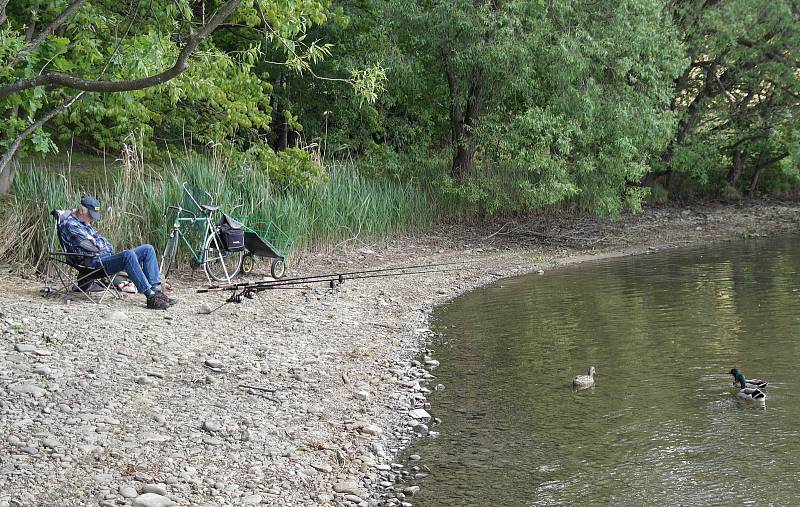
{"type": "Point", "coordinates": [208, 208]}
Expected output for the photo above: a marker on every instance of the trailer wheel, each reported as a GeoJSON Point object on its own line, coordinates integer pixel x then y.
{"type": "Point", "coordinates": [278, 268]}
{"type": "Point", "coordinates": [248, 263]}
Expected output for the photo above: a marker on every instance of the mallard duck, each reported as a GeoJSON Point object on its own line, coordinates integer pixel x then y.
{"type": "Point", "coordinates": [739, 378]}
{"type": "Point", "coordinates": [752, 394]}
{"type": "Point", "coordinates": [584, 381]}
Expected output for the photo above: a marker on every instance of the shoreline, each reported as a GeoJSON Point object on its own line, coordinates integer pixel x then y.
{"type": "Point", "coordinates": [294, 398]}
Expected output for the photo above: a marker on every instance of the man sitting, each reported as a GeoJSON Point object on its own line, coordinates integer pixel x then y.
{"type": "Point", "coordinates": [139, 263]}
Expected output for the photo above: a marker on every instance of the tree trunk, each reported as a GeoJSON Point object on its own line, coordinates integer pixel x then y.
{"type": "Point", "coordinates": [463, 122]}
{"type": "Point", "coordinates": [739, 156]}
{"type": "Point", "coordinates": [279, 124]}
{"type": "Point", "coordinates": [760, 166]}
{"type": "Point", "coordinates": [6, 175]}
{"type": "Point", "coordinates": [464, 161]}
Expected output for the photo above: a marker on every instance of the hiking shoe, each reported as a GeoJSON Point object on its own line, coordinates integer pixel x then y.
{"type": "Point", "coordinates": [170, 301]}
{"type": "Point", "coordinates": [156, 303]}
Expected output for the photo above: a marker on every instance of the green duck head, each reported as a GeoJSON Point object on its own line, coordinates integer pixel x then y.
{"type": "Point", "coordinates": [739, 377]}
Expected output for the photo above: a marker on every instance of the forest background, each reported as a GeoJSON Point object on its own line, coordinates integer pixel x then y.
{"type": "Point", "coordinates": [346, 120]}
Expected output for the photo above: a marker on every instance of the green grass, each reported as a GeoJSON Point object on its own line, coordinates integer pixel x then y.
{"type": "Point", "coordinates": [348, 206]}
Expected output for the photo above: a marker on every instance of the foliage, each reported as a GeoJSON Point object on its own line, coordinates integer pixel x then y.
{"type": "Point", "coordinates": [556, 102]}
{"type": "Point", "coordinates": [289, 169]}
{"type": "Point", "coordinates": [225, 95]}
{"type": "Point", "coordinates": [497, 106]}
{"type": "Point", "coordinates": [739, 95]}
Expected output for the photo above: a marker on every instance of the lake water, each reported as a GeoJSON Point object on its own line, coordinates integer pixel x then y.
{"type": "Point", "coordinates": [662, 425]}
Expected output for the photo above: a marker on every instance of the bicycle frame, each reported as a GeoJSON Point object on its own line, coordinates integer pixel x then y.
{"type": "Point", "coordinates": [197, 255]}
{"type": "Point", "coordinates": [200, 254]}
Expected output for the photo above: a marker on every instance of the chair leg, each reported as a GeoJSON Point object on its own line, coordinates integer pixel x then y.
{"type": "Point", "coordinates": [70, 283]}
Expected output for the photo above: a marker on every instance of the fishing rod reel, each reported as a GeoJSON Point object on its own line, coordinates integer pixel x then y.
{"type": "Point", "coordinates": [239, 297]}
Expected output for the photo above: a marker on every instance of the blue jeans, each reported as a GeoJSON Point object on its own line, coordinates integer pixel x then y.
{"type": "Point", "coordinates": [141, 265]}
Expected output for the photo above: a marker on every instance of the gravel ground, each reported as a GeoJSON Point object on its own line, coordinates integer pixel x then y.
{"type": "Point", "coordinates": [297, 397]}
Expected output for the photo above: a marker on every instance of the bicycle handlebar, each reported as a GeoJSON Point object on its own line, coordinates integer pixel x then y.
{"type": "Point", "coordinates": [179, 210]}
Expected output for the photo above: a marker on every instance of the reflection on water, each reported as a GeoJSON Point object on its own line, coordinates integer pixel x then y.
{"type": "Point", "coordinates": [661, 426]}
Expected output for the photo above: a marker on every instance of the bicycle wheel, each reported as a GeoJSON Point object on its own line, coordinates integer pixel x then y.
{"type": "Point", "coordinates": [169, 254]}
{"type": "Point", "coordinates": [218, 263]}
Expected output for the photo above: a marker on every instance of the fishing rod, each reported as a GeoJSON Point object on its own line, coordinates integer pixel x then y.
{"type": "Point", "coordinates": [242, 292]}
{"type": "Point", "coordinates": [335, 279]}
{"type": "Point", "coordinates": [340, 277]}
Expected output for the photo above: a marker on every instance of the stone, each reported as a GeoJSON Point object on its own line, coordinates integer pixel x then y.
{"type": "Point", "coordinates": [212, 426]}
{"type": "Point", "coordinates": [439, 387]}
{"type": "Point", "coordinates": [103, 478]}
{"type": "Point", "coordinates": [415, 457]}
{"type": "Point", "coordinates": [128, 492]}
{"type": "Point", "coordinates": [308, 472]}
{"type": "Point", "coordinates": [214, 363]}
{"type": "Point", "coordinates": [143, 477]}
{"type": "Point", "coordinates": [411, 490]}
{"type": "Point", "coordinates": [422, 429]}
{"type": "Point", "coordinates": [44, 371]}
{"type": "Point", "coordinates": [371, 429]}
{"type": "Point", "coordinates": [353, 498]}
{"type": "Point", "coordinates": [362, 395]}
{"type": "Point", "coordinates": [252, 500]}
{"type": "Point", "coordinates": [158, 489]}
{"type": "Point", "coordinates": [143, 380]}
{"type": "Point", "coordinates": [24, 347]}
{"type": "Point", "coordinates": [152, 500]}
{"type": "Point", "coordinates": [204, 309]}
{"type": "Point", "coordinates": [150, 436]}
{"type": "Point", "coordinates": [50, 443]}
{"type": "Point", "coordinates": [27, 388]}
{"type": "Point", "coordinates": [419, 413]}
{"type": "Point", "coordinates": [116, 316]}
{"type": "Point", "coordinates": [349, 486]}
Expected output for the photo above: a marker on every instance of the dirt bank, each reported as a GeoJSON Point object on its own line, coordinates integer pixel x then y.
{"type": "Point", "coordinates": [299, 397]}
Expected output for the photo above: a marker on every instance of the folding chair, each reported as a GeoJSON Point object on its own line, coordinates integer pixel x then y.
{"type": "Point", "coordinates": [73, 271]}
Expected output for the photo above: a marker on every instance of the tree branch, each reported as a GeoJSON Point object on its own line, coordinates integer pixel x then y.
{"type": "Point", "coordinates": [3, 4]}
{"type": "Point", "coordinates": [5, 159]}
{"type": "Point", "coordinates": [773, 160]}
{"type": "Point", "coordinates": [181, 64]}
{"type": "Point", "coordinates": [41, 36]}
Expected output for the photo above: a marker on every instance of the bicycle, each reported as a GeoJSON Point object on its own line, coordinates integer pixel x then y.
{"type": "Point", "coordinates": [218, 263]}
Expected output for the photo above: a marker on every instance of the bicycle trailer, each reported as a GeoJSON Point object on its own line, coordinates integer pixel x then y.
{"type": "Point", "coordinates": [266, 240]}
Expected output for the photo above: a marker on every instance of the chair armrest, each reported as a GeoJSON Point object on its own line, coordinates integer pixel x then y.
{"type": "Point", "coordinates": [73, 254]}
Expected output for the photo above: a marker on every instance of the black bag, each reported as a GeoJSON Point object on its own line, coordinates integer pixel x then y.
{"type": "Point", "coordinates": [231, 233]}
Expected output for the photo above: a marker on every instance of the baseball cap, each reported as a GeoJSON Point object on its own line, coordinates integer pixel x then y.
{"type": "Point", "coordinates": [91, 204]}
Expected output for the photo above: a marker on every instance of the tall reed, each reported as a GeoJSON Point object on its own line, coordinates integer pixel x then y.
{"type": "Point", "coordinates": [348, 206]}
